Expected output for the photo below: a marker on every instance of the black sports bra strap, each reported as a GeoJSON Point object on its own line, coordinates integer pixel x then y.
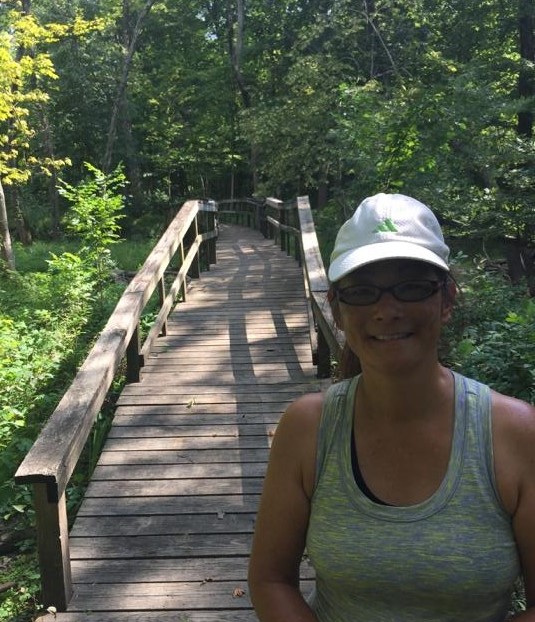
{"type": "Point", "coordinates": [357, 474]}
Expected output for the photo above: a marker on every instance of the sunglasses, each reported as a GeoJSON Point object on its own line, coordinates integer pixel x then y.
{"type": "Point", "coordinates": [407, 291]}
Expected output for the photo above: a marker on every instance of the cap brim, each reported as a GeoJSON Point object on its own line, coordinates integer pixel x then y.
{"type": "Point", "coordinates": [359, 257]}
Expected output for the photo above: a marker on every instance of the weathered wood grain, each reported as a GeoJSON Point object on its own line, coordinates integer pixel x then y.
{"type": "Point", "coordinates": [154, 525]}
{"type": "Point", "coordinates": [164, 531]}
{"type": "Point", "coordinates": [186, 456]}
{"type": "Point", "coordinates": [132, 506]}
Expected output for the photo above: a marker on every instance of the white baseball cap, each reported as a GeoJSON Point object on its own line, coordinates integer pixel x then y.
{"type": "Point", "coordinates": [388, 226]}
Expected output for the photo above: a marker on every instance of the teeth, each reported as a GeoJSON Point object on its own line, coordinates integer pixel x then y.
{"type": "Point", "coordinates": [392, 337]}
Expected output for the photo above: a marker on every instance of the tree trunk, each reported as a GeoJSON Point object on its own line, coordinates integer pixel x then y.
{"type": "Point", "coordinates": [6, 249]}
{"type": "Point", "coordinates": [526, 82]}
{"type": "Point", "coordinates": [235, 29]}
{"type": "Point", "coordinates": [121, 88]}
{"type": "Point", "coordinates": [24, 235]}
{"type": "Point", "coordinates": [235, 41]}
{"type": "Point", "coordinates": [133, 171]}
{"type": "Point", "coordinates": [53, 196]}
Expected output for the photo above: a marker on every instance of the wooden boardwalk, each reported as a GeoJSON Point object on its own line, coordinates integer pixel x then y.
{"type": "Point", "coordinates": [165, 529]}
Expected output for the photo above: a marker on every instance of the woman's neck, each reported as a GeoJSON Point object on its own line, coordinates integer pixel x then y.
{"type": "Point", "coordinates": [405, 396]}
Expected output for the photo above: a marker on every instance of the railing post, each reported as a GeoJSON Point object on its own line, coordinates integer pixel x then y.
{"type": "Point", "coordinates": [283, 233]}
{"type": "Point", "coordinates": [212, 244]}
{"type": "Point", "coordinates": [134, 359]}
{"type": "Point", "coordinates": [261, 218]}
{"type": "Point", "coordinates": [323, 356]}
{"type": "Point", "coordinates": [195, 270]}
{"type": "Point", "coordinates": [53, 548]}
{"type": "Point", "coordinates": [161, 298]}
{"type": "Point", "coordinates": [183, 288]}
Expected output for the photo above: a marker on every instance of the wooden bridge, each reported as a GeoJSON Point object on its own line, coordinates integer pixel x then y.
{"type": "Point", "coordinates": [165, 528]}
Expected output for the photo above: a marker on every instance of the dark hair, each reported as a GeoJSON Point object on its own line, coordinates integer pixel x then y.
{"type": "Point", "coordinates": [349, 364]}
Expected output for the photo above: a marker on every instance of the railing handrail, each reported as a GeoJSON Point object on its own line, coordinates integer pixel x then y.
{"type": "Point", "coordinates": [318, 286]}
{"type": "Point", "coordinates": [52, 459]}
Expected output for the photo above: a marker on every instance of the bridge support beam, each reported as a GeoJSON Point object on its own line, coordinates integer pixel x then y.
{"type": "Point", "coordinates": [323, 356]}
{"type": "Point", "coordinates": [53, 548]}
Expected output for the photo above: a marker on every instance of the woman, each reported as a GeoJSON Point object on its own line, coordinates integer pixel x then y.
{"type": "Point", "coordinates": [411, 488]}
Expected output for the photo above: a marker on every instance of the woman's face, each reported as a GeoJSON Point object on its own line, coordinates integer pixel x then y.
{"type": "Point", "coordinates": [390, 334]}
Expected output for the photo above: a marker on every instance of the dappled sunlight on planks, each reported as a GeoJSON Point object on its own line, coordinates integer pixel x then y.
{"type": "Point", "coordinates": [167, 520]}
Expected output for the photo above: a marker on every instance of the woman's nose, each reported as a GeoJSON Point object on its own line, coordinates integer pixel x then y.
{"type": "Point", "coordinates": [387, 307]}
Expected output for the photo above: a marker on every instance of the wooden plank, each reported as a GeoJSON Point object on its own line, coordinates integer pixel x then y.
{"type": "Point", "coordinates": [148, 616]}
{"type": "Point", "coordinates": [188, 444]}
{"type": "Point", "coordinates": [279, 347]}
{"type": "Point", "coordinates": [175, 487]}
{"type": "Point", "coordinates": [192, 419]}
{"type": "Point", "coordinates": [226, 376]}
{"type": "Point", "coordinates": [189, 569]}
{"type": "Point", "coordinates": [178, 471]}
{"type": "Point", "coordinates": [126, 506]}
{"type": "Point", "coordinates": [164, 596]}
{"type": "Point", "coordinates": [111, 526]}
{"type": "Point", "coordinates": [275, 344]}
{"type": "Point", "coordinates": [199, 398]}
{"type": "Point", "coordinates": [187, 456]}
{"type": "Point", "coordinates": [161, 547]}
{"type": "Point", "coordinates": [202, 430]}
{"type": "Point", "coordinates": [262, 392]}
{"type": "Point", "coordinates": [211, 595]}
{"type": "Point", "coordinates": [194, 408]}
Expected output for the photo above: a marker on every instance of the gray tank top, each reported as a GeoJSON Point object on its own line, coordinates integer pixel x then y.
{"type": "Point", "coordinates": [448, 559]}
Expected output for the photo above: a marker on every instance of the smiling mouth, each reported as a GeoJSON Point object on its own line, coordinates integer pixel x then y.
{"type": "Point", "coordinates": [394, 337]}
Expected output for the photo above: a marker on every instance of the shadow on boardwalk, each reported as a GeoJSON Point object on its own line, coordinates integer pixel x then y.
{"type": "Point", "coordinates": [165, 529]}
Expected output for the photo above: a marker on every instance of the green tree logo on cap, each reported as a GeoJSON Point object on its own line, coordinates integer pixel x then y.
{"type": "Point", "coordinates": [385, 226]}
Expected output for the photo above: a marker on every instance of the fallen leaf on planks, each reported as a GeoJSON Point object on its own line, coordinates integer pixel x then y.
{"type": "Point", "coordinates": [238, 592]}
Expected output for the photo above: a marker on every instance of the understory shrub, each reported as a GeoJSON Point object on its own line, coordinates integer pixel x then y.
{"type": "Point", "coordinates": [492, 335]}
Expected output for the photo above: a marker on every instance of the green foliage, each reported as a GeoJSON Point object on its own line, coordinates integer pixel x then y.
{"type": "Point", "coordinates": [47, 323]}
{"type": "Point", "coordinates": [18, 601]}
{"type": "Point", "coordinates": [492, 334]}
{"type": "Point", "coordinates": [96, 206]}
{"type": "Point", "coordinates": [27, 70]}
{"type": "Point", "coordinates": [43, 316]}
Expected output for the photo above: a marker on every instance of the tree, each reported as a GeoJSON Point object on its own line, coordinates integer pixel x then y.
{"type": "Point", "coordinates": [18, 91]}
{"type": "Point", "coordinates": [24, 84]}
{"type": "Point", "coordinates": [526, 78]}
{"type": "Point", "coordinates": [6, 249]}
{"type": "Point", "coordinates": [119, 103]}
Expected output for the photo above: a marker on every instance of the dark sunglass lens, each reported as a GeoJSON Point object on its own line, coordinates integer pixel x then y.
{"type": "Point", "coordinates": [360, 295]}
{"type": "Point", "coordinates": [412, 291]}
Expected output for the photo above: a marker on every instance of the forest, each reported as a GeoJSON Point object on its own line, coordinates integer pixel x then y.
{"type": "Point", "coordinates": [115, 112]}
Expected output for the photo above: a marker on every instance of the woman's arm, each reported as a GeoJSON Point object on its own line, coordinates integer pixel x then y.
{"type": "Point", "coordinates": [282, 520]}
{"type": "Point", "coordinates": [515, 470]}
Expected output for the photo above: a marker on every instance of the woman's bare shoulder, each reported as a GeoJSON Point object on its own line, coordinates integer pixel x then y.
{"type": "Point", "coordinates": [514, 439]}
{"type": "Point", "coordinates": [301, 418]}
{"type": "Point", "coordinates": [295, 440]}
{"type": "Point", "coordinates": [307, 406]}
{"type": "Point", "coordinates": [512, 415]}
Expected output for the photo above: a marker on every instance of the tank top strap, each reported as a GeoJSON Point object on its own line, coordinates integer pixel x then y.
{"type": "Point", "coordinates": [475, 398]}
{"type": "Point", "coordinates": [336, 409]}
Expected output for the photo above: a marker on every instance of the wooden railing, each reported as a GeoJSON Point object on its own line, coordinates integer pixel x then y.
{"type": "Point", "coordinates": [49, 464]}
{"type": "Point", "coordinates": [292, 226]}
